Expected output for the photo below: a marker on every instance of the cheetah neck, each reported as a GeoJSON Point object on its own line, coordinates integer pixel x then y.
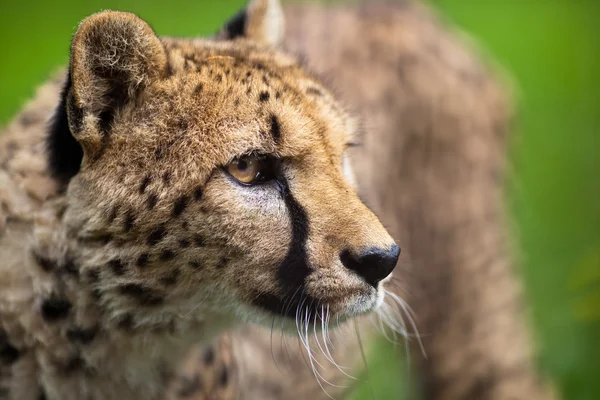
{"type": "Point", "coordinates": [90, 338]}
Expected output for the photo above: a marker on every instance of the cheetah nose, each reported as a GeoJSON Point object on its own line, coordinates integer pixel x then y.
{"type": "Point", "coordinates": [372, 265]}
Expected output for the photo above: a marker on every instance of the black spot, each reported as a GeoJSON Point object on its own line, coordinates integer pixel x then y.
{"type": "Point", "coordinates": [117, 267]}
{"type": "Point", "coordinates": [45, 263]}
{"type": "Point", "coordinates": [278, 95]}
{"type": "Point", "coordinates": [189, 385]}
{"type": "Point", "coordinates": [42, 395]}
{"type": "Point", "coordinates": [171, 278]}
{"type": "Point", "coordinates": [126, 322]}
{"type": "Point", "coordinates": [199, 88]}
{"type": "Point", "coordinates": [75, 363]}
{"type": "Point", "coordinates": [55, 308]}
{"type": "Point", "coordinates": [8, 353]}
{"type": "Point", "coordinates": [275, 129]}
{"type": "Point", "coordinates": [198, 241]}
{"type": "Point", "coordinates": [71, 268]}
{"type": "Point", "coordinates": [142, 260]}
{"type": "Point", "coordinates": [128, 222]}
{"type": "Point", "coordinates": [145, 184]}
{"type": "Point", "coordinates": [264, 96]}
{"type": "Point", "coordinates": [166, 177]}
{"type": "Point", "coordinates": [96, 294]}
{"type": "Point", "coordinates": [198, 193]}
{"type": "Point", "coordinates": [144, 295]}
{"type": "Point", "coordinates": [219, 78]}
{"type": "Point", "coordinates": [195, 264]}
{"type": "Point", "coordinates": [159, 152]}
{"type": "Point", "coordinates": [167, 255]}
{"type": "Point", "coordinates": [82, 335]}
{"type": "Point", "coordinates": [93, 275]}
{"type": "Point", "coordinates": [314, 91]}
{"type": "Point", "coordinates": [180, 205]}
{"type": "Point", "coordinates": [208, 357]}
{"type": "Point", "coordinates": [223, 262]}
{"type": "Point", "coordinates": [184, 243]}
{"type": "Point", "coordinates": [151, 201]}
{"type": "Point", "coordinates": [156, 235]}
{"type": "Point", "coordinates": [64, 152]}
{"type": "Point", "coordinates": [112, 215]}
{"type": "Point", "coordinates": [224, 377]}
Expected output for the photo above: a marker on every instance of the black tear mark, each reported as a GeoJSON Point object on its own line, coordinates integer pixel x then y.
{"type": "Point", "coordinates": [294, 269]}
{"type": "Point", "coordinates": [275, 129]}
{"type": "Point", "coordinates": [55, 308]}
{"type": "Point", "coordinates": [145, 295]}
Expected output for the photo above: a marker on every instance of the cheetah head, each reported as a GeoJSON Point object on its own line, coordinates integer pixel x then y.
{"type": "Point", "coordinates": [210, 177]}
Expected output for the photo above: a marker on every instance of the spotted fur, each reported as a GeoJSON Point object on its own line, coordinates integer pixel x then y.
{"type": "Point", "coordinates": [106, 258]}
{"type": "Point", "coordinates": [141, 245]}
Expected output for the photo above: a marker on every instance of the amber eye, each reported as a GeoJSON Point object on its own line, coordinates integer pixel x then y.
{"type": "Point", "coordinates": [251, 169]}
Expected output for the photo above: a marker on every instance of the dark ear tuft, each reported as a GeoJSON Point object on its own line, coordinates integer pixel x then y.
{"type": "Point", "coordinates": [262, 21]}
{"type": "Point", "coordinates": [64, 152]}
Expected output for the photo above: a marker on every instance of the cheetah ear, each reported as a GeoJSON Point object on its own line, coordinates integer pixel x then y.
{"type": "Point", "coordinates": [113, 56]}
{"type": "Point", "coordinates": [261, 21]}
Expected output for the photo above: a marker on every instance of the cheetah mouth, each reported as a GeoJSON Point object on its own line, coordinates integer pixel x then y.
{"type": "Point", "coordinates": [302, 305]}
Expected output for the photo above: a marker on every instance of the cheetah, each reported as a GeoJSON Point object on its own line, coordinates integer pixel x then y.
{"type": "Point", "coordinates": [183, 187]}
{"type": "Point", "coordinates": [128, 234]}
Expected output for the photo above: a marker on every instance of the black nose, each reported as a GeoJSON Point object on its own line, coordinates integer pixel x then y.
{"type": "Point", "coordinates": [372, 265]}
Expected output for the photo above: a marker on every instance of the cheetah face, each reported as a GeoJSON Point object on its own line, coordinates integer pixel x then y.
{"type": "Point", "coordinates": [212, 178]}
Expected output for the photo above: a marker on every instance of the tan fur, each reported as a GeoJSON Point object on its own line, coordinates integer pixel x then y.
{"type": "Point", "coordinates": [432, 166]}
{"type": "Point", "coordinates": [152, 247]}
{"type": "Point", "coordinates": [105, 215]}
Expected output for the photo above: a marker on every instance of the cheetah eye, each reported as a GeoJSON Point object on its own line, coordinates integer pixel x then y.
{"type": "Point", "coordinates": [251, 169]}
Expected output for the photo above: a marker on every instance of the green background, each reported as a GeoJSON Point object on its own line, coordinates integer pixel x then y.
{"type": "Point", "coordinates": [550, 47]}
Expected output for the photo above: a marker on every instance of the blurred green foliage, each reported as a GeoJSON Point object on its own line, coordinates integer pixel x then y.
{"type": "Point", "coordinates": [551, 49]}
